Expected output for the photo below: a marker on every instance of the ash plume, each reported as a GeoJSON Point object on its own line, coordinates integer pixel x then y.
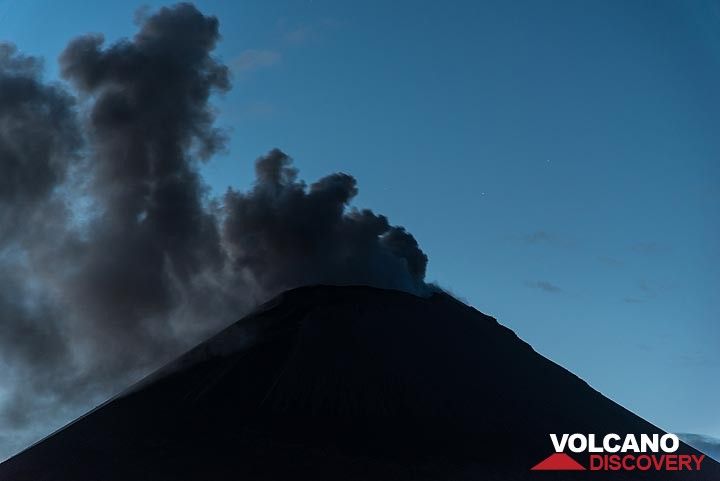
{"type": "Point", "coordinates": [39, 139]}
{"type": "Point", "coordinates": [285, 234]}
{"type": "Point", "coordinates": [115, 256]}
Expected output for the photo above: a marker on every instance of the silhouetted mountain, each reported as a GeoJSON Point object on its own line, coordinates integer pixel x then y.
{"type": "Point", "coordinates": [342, 383]}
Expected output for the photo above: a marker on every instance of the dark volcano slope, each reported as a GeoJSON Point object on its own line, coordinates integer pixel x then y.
{"type": "Point", "coordinates": [342, 383]}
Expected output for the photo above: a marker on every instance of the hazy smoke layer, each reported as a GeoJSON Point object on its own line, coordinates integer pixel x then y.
{"type": "Point", "coordinates": [114, 256]}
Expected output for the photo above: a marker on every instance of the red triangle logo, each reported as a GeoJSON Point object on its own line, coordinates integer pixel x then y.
{"type": "Point", "coordinates": [558, 462]}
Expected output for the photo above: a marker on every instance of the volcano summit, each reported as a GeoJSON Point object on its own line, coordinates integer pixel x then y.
{"type": "Point", "coordinates": [344, 383]}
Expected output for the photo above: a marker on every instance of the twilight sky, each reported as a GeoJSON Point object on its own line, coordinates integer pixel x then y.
{"type": "Point", "coordinates": [558, 162]}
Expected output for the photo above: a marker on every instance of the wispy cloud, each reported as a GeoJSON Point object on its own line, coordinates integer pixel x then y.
{"type": "Point", "coordinates": [698, 359]}
{"type": "Point", "coordinates": [650, 247]}
{"type": "Point", "coordinates": [632, 300]}
{"type": "Point", "coordinates": [610, 261]}
{"type": "Point", "coordinates": [544, 237]}
{"type": "Point", "coordinates": [255, 59]}
{"type": "Point", "coordinates": [299, 34]}
{"type": "Point", "coordinates": [258, 110]}
{"type": "Point", "coordinates": [544, 286]}
{"type": "Point", "coordinates": [647, 288]}
{"type": "Point", "coordinates": [289, 35]}
{"type": "Point", "coordinates": [647, 291]}
{"type": "Point", "coordinates": [538, 237]}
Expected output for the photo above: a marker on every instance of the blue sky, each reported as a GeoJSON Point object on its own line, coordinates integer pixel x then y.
{"type": "Point", "coordinates": [558, 161]}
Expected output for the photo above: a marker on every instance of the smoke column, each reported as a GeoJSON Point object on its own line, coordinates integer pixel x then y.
{"type": "Point", "coordinates": [114, 256]}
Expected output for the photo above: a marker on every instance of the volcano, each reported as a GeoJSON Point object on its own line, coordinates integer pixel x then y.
{"type": "Point", "coordinates": [343, 383]}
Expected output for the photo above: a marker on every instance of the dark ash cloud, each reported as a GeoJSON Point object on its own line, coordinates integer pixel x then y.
{"type": "Point", "coordinates": [544, 286]}
{"type": "Point", "coordinates": [287, 234]}
{"type": "Point", "coordinates": [149, 124]}
{"type": "Point", "coordinates": [39, 139]}
{"type": "Point", "coordinates": [114, 255]}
